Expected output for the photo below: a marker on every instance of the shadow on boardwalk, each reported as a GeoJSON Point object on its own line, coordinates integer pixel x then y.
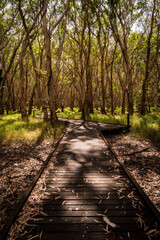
{"type": "Point", "coordinates": [85, 185]}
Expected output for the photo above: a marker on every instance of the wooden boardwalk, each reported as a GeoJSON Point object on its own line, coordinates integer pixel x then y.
{"type": "Point", "coordinates": [86, 185]}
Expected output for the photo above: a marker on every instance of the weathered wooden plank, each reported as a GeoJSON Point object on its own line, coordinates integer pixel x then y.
{"type": "Point", "coordinates": [75, 196]}
{"type": "Point", "coordinates": [103, 207]}
{"type": "Point", "coordinates": [91, 192]}
{"type": "Point", "coordinates": [71, 212]}
{"type": "Point", "coordinates": [95, 236]}
{"type": "Point", "coordinates": [89, 227]}
{"type": "Point", "coordinates": [86, 219]}
{"type": "Point", "coordinates": [83, 201]}
{"type": "Point", "coordinates": [85, 235]}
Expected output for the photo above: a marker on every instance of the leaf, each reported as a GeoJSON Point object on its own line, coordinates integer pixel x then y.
{"type": "Point", "coordinates": [51, 220]}
{"type": "Point", "coordinates": [56, 198]}
{"type": "Point", "coordinates": [151, 231]}
{"type": "Point", "coordinates": [100, 196]}
{"type": "Point", "coordinates": [40, 235]}
{"type": "Point", "coordinates": [106, 210]}
{"type": "Point", "coordinates": [121, 197]}
{"type": "Point", "coordinates": [41, 192]}
{"type": "Point", "coordinates": [44, 214]}
{"type": "Point", "coordinates": [63, 202]}
{"type": "Point", "coordinates": [33, 237]}
{"type": "Point", "coordinates": [96, 221]}
{"type": "Point", "coordinates": [106, 219]}
{"type": "Point", "coordinates": [100, 201]}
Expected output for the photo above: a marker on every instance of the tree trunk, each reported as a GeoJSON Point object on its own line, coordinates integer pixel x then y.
{"type": "Point", "coordinates": [23, 106]}
{"type": "Point", "coordinates": [111, 90]}
{"type": "Point", "coordinates": [72, 99]}
{"type": "Point", "coordinates": [103, 111]}
{"type": "Point", "coordinates": [31, 100]}
{"type": "Point", "coordinates": [51, 85]}
{"type": "Point", "coordinates": [1, 102]}
{"type": "Point", "coordinates": [130, 101]}
{"type": "Point", "coordinates": [143, 99]}
{"type": "Point", "coordinates": [123, 102]}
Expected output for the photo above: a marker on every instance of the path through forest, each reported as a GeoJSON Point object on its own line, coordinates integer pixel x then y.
{"type": "Point", "coordinates": [86, 194]}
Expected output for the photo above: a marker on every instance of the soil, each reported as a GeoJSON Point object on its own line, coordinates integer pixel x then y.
{"type": "Point", "coordinates": [19, 163]}
{"type": "Point", "coordinates": [142, 159]}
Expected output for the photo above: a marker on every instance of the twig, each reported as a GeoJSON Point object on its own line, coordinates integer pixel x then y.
{"type": "Point", "coordinates": [128, 154]}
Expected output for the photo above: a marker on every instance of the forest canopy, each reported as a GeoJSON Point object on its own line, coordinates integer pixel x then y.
{"type": "Point", "coordinates": [90, 54]}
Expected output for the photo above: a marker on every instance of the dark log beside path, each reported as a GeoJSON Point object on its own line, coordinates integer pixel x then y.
{"type": "Point", "coordinates": [85, 185]}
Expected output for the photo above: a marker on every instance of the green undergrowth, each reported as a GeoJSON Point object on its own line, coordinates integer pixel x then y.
{"type": "Point", "coordinates": [13, 129]}
{"type": "Point", "coordinates": [145, 127]}
{"type": "Point", "coordinates": [70, 114]}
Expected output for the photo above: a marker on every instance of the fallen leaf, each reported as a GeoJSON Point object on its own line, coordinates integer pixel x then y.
{"type": "Point", "coordinates": [151, 231]}
{"type": "Point", "coordinates": [40, 235]}
{"type": "Point", "coordinates": [51, 220]}
{"type": "Point", "coordinates": [100, 201]}
{"type": "Point", "coordinates": [106, 219]}
{"type": "Point", "coordinates": [63, 202]}
{"type": "Point", "coordinates": [44, 214]}
{"type": "Point", "coordinates": [56, 198]}
{"type": "Point", "coordinates": [33, 237]}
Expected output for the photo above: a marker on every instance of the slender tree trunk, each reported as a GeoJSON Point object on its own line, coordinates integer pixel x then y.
{"type": "Point", "coordinates": [144, 85]}
{"type": "Point", "coordinates": [72, 99]}
{"type": "Point", "coordinates": [123, 101]}
{"type": "Point", "coordinates": [23, 106]}
{"type": "Point", "coordinates": [31, 100]}
{"type": "Point", "coordinates": [103, 103]}
{"type": "Point", "coordinates": [1, 101]}
{"type": "Point", "coordinates": [111, 90]}
{"type": "Point", "coordinates": [51, 84]}
{"type": "Point", "coordinates": [130, 94]}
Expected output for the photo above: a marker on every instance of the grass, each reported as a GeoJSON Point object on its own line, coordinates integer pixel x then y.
{"type": "Point", "coordinates": [13, 129]}
{"type": "Point", "coordinates": [145, 127]}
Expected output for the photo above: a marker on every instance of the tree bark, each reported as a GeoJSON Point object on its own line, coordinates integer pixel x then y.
{"type": "Point", "coordinates": [144, 85]}
{"type": "Point", "coordinates": [123, 102]}
{"type": "Point", "coordinates": [23, 106]}
{"type": "Point", "coordinates": [51, 84]}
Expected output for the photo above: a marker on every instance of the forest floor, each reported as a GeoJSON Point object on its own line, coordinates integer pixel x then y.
{"type": "Point", "coordinates": [19, 163]}
{"type": "Point", "coordinates": [142, 159]}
